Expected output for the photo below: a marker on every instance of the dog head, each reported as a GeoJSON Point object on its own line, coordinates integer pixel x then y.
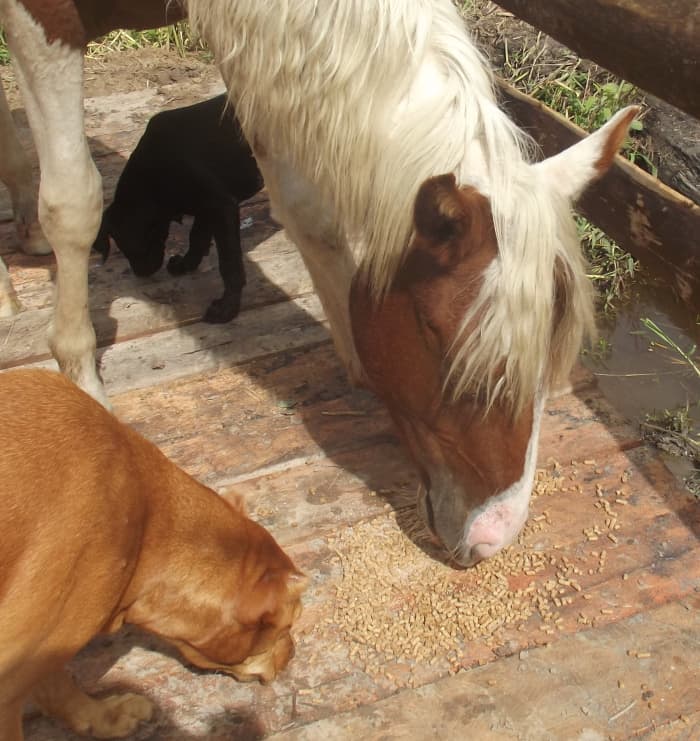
{"type": "Point", "coordinates": [228, 603]}
{"type": "Point", "coordinates": [140, 234]}
{"type": "Point", "coordinates": [257, 642]}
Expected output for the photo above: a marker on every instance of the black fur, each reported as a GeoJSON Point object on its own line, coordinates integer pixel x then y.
{"type": "Point", "coordinates": [190, 161]}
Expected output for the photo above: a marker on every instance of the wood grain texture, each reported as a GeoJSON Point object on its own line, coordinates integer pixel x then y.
{"type": "Point", "coordinates": [262, 407]}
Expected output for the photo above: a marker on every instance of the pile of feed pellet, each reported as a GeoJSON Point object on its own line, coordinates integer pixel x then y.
{"type": "Point", "coordinates": [395, 603]}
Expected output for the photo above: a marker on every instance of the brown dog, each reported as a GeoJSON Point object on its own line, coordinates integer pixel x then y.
{"type": "Point", "coordinates": [98, 528]}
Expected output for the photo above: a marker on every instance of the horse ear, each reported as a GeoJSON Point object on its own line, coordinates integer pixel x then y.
{"type": "Point", "coordinates": [439, 213]}
{"type": "Point", "coordinates": [578, 166]}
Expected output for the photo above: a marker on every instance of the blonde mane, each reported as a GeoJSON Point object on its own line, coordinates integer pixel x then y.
{"type": "Point", "coordinates": [367, 99]}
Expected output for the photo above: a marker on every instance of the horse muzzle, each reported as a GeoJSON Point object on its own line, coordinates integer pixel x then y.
{"type": "Point", "coordinates": [470, 535]}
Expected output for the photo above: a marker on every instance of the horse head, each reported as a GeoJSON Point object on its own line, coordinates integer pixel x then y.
{"type": "Point", "coordinates": [466, 343]}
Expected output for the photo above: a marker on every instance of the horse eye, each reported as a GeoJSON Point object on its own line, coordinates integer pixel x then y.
{"type": "Point", "coordinates": [430, 331]}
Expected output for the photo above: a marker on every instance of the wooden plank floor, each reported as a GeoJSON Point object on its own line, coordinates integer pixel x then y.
{"type": "Point", "coordinates": [610, 647]}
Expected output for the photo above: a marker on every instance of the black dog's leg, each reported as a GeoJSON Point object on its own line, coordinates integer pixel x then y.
{"type": "Point", "coordinates": [200, 238]}
{"type": "Point", "coordinates": [102, 243]}
{"type": "Point", "coordinates": [227, 238]}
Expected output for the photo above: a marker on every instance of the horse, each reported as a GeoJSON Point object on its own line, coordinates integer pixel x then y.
{"type": "Point", "coordinates": [461, 302]}
{"type": "Point", "coordinates": [47, 42]}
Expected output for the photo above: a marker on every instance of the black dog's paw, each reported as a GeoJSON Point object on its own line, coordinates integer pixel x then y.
{"type": "Point", "coordinates": [223, 310]}
{"type": "Point", "coordinates": [179, 265]}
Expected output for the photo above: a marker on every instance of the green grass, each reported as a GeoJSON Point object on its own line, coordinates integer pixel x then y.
{"type": "Point", "coordinates": [178, 37]}
{"type": "Point", "coordinates": [599, 351]}
{"type": "Point", "coordinates": [4, 53]}
{"type": "Point", "coordinates": [687, 356]}
{"type": "Point", "coordinates": [612, 270]}
{"type": "Point", "coordinates": [583, 93]}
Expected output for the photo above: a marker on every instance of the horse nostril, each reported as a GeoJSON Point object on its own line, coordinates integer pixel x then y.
{"type": "Point", "coordinates": [481, 551]}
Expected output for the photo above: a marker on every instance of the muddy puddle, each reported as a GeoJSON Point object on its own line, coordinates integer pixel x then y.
{"type": "Point", "coordinates": [648, 380]}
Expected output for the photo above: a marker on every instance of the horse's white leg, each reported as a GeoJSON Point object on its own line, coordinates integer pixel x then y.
{"type": "Point", "coordinates": [309, 222]}
{"type": "Point", "coordinates": [70, 192]}
{"type": "Point", "coordinates": [9, 303]}
{"type": "Point", "coordinates": [16, 174]}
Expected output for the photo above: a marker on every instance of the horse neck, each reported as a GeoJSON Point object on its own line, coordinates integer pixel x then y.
{"type": "Point", "coordinates": [391, 94]}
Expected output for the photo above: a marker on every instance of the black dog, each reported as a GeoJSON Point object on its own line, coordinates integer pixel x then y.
{"type": "Point", "coordinates": [190, 161]}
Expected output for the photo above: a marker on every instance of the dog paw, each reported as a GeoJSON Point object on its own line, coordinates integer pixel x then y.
{"type": "Point", "coordinates": [222, 310]}
{"type": "Point", "coordinates": [112, 717]}
{"type": "Point", "coordinates": [179, 265]}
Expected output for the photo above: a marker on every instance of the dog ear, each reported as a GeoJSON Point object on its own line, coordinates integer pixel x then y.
{"type": "Point", "coordinates": [276, 588]}
{"type": "Point", "coordinates": [297, 584]}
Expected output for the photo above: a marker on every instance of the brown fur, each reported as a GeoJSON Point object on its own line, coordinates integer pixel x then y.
{"type": "Point", "coordinates": [100, 529]}
{"type": "Point", "coordinates": [454, 243]}
{"type": "Point", "coordinates": [615, 141]}
{"type": "Point", "coordinates": [75, 22]}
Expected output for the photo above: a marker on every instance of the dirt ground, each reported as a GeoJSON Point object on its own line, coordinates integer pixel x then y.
{"type": "Point", "coordinates": [130, 70]}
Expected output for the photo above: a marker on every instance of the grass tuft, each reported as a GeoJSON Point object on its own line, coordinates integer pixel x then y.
{"type": "Point", "coordinates": [4, 53]}
{"type": "Point", "coordinates": [612, 270]}
{"type": "Point", "coordinates": [178, 37]}
{"type": "Point", "coordinates": [687, 357]}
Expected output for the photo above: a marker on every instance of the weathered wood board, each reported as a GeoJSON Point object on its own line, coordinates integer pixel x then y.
{"type": "Point", "coordinates": [263, 408]}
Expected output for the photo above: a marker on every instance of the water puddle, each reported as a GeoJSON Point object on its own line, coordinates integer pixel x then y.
{"type": "Point", "coordinates": [642, 374]}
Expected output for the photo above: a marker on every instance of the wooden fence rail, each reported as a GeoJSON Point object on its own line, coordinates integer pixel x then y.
{"type": "Point", "coordinates": [653, 43]}
{"type": "Point", "coordinates": [653, 222]}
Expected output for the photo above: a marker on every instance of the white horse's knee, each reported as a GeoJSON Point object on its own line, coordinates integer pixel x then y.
{"type": "Point", "coordinates": [70, 205]}
{"type": "Point", "coordinates": [70, 215]}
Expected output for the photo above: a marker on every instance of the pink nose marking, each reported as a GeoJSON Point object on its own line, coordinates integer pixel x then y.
{"type": "Point", "coordinates": [494, 529]}
{"type": "Point", "coordinates": [481, 551]}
